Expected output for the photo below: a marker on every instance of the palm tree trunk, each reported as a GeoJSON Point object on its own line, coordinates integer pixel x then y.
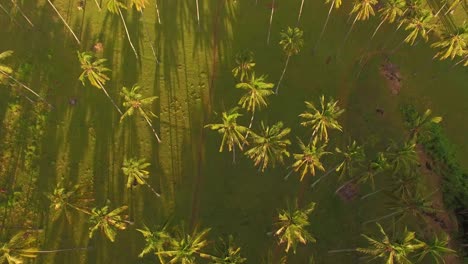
{"type": "Point", "coordinates": [149, 40]}
{"type": "Point", "coordinates": [370, 194]}
{"type": "Point", "coordinates": [457, 2]}
{"type": "Point", "coordinates": [79, 209]}
{"type": "Point", "coordinates": [128, 34]}
{"type": "Point", "coordinates": [24, 86]}
{"type": "Point", "coordinates": [349, 32]}
{"type": "Point", "coordinates": [21, 12]}
{"type": "Point", "coordinates": [98, 6]}
{"type": "Point", "coordinates": [440, 9]}
{"type": "Point", "coordinates": [157, 11]}
{"type": "Point", "coordinates": [64, 21]}
{"type": "Point", "coordinates": [300, 11]}
{"type": "Point", "coordinates": [152, 189]}
{"type": "Point", "coordinates": [198, 12]}
{"type": "Point", "coordinates": [250, 126]}
{"type": "Point", "coordinates": [325, 25]}
{"type": "Point", "coordinates": [378, 27]}
{"type": "Point", "coordinates": [61, 250]}
{"type": "Point", "coordinates": [152, 128]}
{"type": "Point", "coordinates": [282, 74]}
{"type": "Point", "coordinates": [271, 20]}
{"type": "Point", "coordinates": [342, 250]}
{"type": "Point", "coordinates": [381, 218]}
{"type": "Point", "coordinates": [328, 172]}
{"type": "Point", "coordinates": [343, 185]}
{"type": "Point", "coordinates": [8, 14]}
{"type": "Point", "coordinates": [110, 98]}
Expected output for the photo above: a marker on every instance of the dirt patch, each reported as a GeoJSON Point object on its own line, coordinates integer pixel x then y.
{"type": "Point", "coordinates": [348, 192]}
{"type": "Point", "coordinates": [391, 72]}
{"type": "Point", "coordinates": [443, 220]}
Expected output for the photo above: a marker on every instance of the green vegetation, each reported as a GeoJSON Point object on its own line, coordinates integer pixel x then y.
{"type": "Point", "coordinates": [72, 170]}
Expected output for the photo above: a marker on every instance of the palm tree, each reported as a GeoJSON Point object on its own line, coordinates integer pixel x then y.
{"type": "Point", "coordinates": [404, 185]}
{"type": "Point", "coordinates": [135, 170]}
{"type": "Point", "coordinates": [291, 226]}
{"type": "Point", "coordinates": [323, 118]}
{"type": "Point", "coordinates": [95, 72]}
{"type": "Point", "coordinates": [376, 166]}
{"type": "Point", "coordinates": [291, 42]}
{"type": "Point", "coordinates": [436, 248]}
{"type": "Point", "coordinates": [309, 159]}
{"type": "Point", "coordinates": [270, 146]}
{"type": "Point", "coordinates": [414, 205]}
{"type": "Point", "coordinates": [61, 199]}
{"type": "Point", "coordinates": [228, 252]}
{"type": "Point", "coordinates": [273, 7]}
{"type": "Point", "coordinates": [244, 65]}
{"type": "Point", "coordinates": [155, 241]}
{"type": "Point", "coordinates": [19, 247]}
{"type": "Point", "coordinates": [334, 4]}
{"type": "Point", "coordinates": [363, 9]}
{"type": "Point", "coordinates": [419, 26]}
{"type": "Point", "coordinates": [391, 11]}
{"type": "Point", "coordinates": [64, 21]}
{"type": "Point", "coordinates": [133, 101]}
{"type": "Point", "coordinates": [185, 248]}
{"type": "Point", "coordinates": [108, 222]}
{"type": "Point", "coordinates": [353, 156]}
{"type": "Point", "coordinates": [139, 4]}
{"type": "Point", "coordinates": [403, 158]}
{"type": "Point", "coordinates": [255, 97]}
{"type": "Point", "coordinates": [115, 7]}
{"type": "Point", "coordinates": [233, 134]}
{"type": "Point", "coordinates": [420, 123]}
{"type": "Point", "coordinates": [391, 250]}
{"type": "Point", "coordinates": [452, 44]}
{"type": "Point", "coordinates": [6, 71]}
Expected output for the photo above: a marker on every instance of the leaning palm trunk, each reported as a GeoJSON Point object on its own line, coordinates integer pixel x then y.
{"type": "Point", "coordinates": [149, 40]}
{"type": "Point", "coordinates": [383, 217]}
{"type": "Point", "coordinates": [21, 12]}
{"type": "Point", "coordinates": [61, 250]}
{"type": "Point", "coordinates": [8, 14]}
{"type": "Point", "coordinates": [108, 96]}
{"type": "Point", "coordinates": [282, 74]}
{"type": "Point", "coordinates": [349, 32]}
{"type": "Point", "coordinates": [300, 11]}
{"type": "Point", "coordinates": [157, 11]}
{"type": "Point", "coordinates": [152, 189]}
{"type": "Point", "coordinates": [128, 34]}
{"type": "Point", "coordinates": [324, 175]}
{"type": "Point", "coordinates": [378, 27]}
{"type": "Point", "coordinates": [436, 14]}
{"type": "Point", "coordinates": [198, 12]}
{"type": "Point", "coordinates": [152, 128]}
{"type": "Point", "coordinates": [98, 5]}
{"type": "Point", "coordinates": [271, 20]}
{"type": "Point", "coordinates": [326, 23]}
{"type": "Point", "coordinates": [64, 21]}
{"type": "Point", "coordinates": [24, 86]}
{"type": "Point", "coordinates": [250, 126]}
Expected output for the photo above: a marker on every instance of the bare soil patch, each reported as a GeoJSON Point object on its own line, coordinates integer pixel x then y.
{"type": "Point", "coordinates": [391, 73]}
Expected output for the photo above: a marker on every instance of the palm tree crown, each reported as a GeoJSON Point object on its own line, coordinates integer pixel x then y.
{"type": "Point", "coordinates": [256, 92]}
{"type": "Point", "coordinates": [292, 224]}
{"type": "Point", "coordinates": [4, 69]}
{"type": "Point", "coordinates": [15, 250]}
{"type": "Point", "coordinates": [270, 146]}
{"type": "Point", "coordinates": [134, 169]}
{"type": "Point", "coordinates": [93, 70]}
{"type": "Point", "coordinates": [291, 41]}
{"type": "Point", "coordinates": [353, 155]}
{"type": "Point", "coordinates": [453, 44]}
{"type": "Point", "coordinates": [323, 118]}
{"type": "Point", "coordinates": [108, 222]}
{"type": "Point", "coordinates": [244, 65]}
{"type": "Point", "coordinates": [364, 9]}
{"type": "Point", "coordinates": [309, 159]}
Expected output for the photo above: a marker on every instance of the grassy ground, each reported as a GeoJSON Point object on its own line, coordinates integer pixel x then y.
{"type": "Point", "coordinates": [86, 143]}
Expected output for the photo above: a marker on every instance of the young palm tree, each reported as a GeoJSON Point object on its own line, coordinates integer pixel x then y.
{"type": "Point", "coordinates": [452, 44]}
{"type": "Point", "coordinates": [363, 9]}
{"type": "Point", "coordinates": [414, 205]}
{"type": "Point", "coordinates": [228, 253]}
{"type": "Point", "coordinates": [391, 250]}
{"type": "Point", "coordinates": [257, 90]}
{"type": "Point", "coordinates": [323, 118]}
{"type": "Point", "coordinates": [133, 101]}
{"type": "Point", "coordinates": [291, 42]}
{"type": "Point", "coordinates": [353, 156]}
{"type": "Point", "coordinates": [108, 222]}
{"type": "Point", "coordinates": [115, 7]}
{"type": "Point", "coordinates": [390, 12]}
{"type": "Point", "coordinates": [309, 159]}
{"type": "Point", "coordinates": [18, 248]}
{"type": "Point", "coordinates": [270, 146]}
{"type": "Point", "coordinates": [233, 134]}
{"type": "Point", "coordinates": [291, 226]}
{"type": "Point", "coordinates": [376, 166]}
{"type": "Point", "coordinates": [404, 185]}
{"type": "Point", "coordinates": [95, 72]}
{"type": "Point", "coordinates": [64, 21]}
{"type": "Point", "coordinates": [437, 249]}
{"type": "Point", "coordinates": [135, 170]}
{"type": "Point", "coordinates": [419, 25]}
{"type": "Point", "coordinates": [186, 248]}
{"type": "Point", "coordinates": [61, 199]}
{"type": "Point", "coordinates": [403, 158]}
{"type": "Point", "coordinates": [244, 65]}
{"type": "Point", "coordinates": [420, 123]}
{"type": "Point", "coordinates": [6, 72]}
{"type": "Point", "coordinates": [334, 4]}
{"type": "Point", "coordinates": [155, 241]}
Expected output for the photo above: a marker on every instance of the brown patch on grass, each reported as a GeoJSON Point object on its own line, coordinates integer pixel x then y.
{"type": "Point", "coordinates": [391, 72]}
{"type": "Point", "coordinates": [348, 192]}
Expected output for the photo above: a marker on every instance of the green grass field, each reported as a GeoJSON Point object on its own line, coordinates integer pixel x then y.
{"type": "Point", "coordinates": [200, 186]}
